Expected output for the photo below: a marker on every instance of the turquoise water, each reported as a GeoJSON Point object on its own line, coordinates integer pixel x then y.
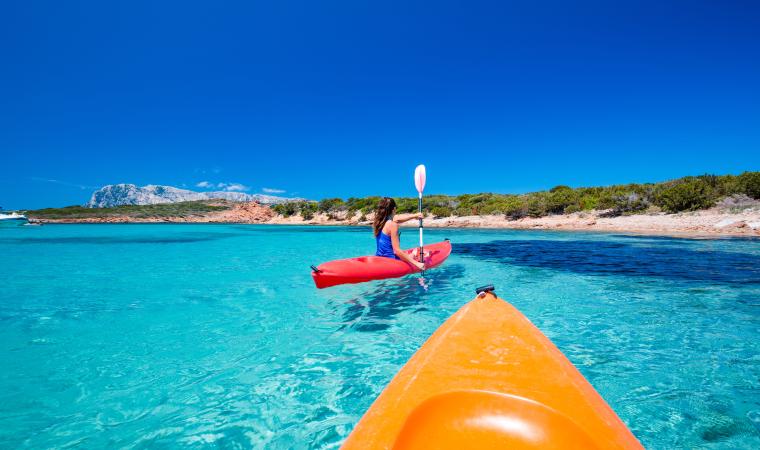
{"type": "Point", "coordinates": [159, 336]}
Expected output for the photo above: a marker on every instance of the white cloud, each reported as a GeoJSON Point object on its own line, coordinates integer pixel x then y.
{"type": "Point", "coordinates": [233, 187]}
{"type": "Point", "coordinates": [236, 187]}
{"type": "Point", "coordinates": [273, 190]}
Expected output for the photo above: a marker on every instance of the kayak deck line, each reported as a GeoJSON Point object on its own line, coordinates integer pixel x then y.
{"type": "Point", "coordinates": [488, 378]}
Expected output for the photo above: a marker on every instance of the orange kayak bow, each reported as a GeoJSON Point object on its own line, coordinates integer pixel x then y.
{"type": "Point", "coordinates": [488, 378]}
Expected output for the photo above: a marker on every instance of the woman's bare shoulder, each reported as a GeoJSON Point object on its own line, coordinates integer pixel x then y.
{"type": "Point", "coordinates": [391, 225]}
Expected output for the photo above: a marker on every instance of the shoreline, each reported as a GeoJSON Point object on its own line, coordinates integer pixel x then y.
{"type": "Point", "coordinates": [699, 224]}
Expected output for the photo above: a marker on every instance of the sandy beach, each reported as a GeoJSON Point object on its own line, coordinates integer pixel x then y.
{"type": "Point", "coordinates": [700, 223]}
{"type": "Point", "coordinates": [685, 224]}
{"type": "Point", "coordinates": [711, 222]}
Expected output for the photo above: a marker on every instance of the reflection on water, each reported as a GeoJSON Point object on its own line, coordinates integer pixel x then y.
{"type": "Point", "coordinates": [372, 311]}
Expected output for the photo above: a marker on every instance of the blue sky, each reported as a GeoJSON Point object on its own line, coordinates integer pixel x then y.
{"type": "Point", "coordinates": [328, 98]}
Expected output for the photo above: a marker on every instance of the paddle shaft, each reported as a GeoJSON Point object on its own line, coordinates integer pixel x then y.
{"type": "Point", "coordinates": [422, 249]}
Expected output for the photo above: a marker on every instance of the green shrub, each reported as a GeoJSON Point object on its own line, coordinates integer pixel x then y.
{"type": "Point", "coordinates": [749, 183]}
{"type": "Point", "coordinates": [330, 205]}
{"type": "Point", "coordinates": [588, 202]}
{"type": "Point", "coordinates": [627, 204]}
{"type": "Point", "coordinates": [463, 211]}
{"type": "Point", "coordinates": [441, 211]}
{"type": "Point", "coordinates": [688, 195]}
{"type": "Point", "coordinates": [606, 199]}
{"type": "Point", "coordinates": [536, 206]}
{"type": "Point", "coordinates": [632, 203]}
{"type": "Point", "coordinates": [727, 186]}
{"type": "Point", "coordinates": [308, 209]}
{"type": "Point", "coordinates": [365, 205]}
{"type": "Point", "coordinates": [559, 198]}
{"type": "Point", "coordinates": [514, 206]}
{"type": "Point", "coordinates": [287, 209]}
{"type": "Point", "coordinates": [517, 214]}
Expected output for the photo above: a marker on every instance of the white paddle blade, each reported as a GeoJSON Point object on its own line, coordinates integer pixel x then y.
{"type": "Point", "coordinates": [419, 178]}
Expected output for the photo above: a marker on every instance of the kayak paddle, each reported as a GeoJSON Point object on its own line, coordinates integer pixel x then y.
{"type": "Point", "coordinates": [419, 183]}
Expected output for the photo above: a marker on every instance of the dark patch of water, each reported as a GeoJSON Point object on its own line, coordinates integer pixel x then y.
{"type": "Point", "coordinates": [681, 240]}
{"type": "Point", "coordinates": [620, 258]}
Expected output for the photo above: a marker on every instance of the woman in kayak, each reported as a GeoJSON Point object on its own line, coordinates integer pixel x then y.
{"type": "Point", "coordinates": [385, 228]}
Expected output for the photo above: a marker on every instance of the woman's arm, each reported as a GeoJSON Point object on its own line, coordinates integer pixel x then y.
{"type": "Point", "coordinates": [404, 256]}
{"type": "Point", "coordinates": [401, 218]}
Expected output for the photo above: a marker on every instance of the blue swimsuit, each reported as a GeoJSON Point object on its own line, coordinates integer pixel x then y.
{"type": "Point", "coordinates": [384, 246]}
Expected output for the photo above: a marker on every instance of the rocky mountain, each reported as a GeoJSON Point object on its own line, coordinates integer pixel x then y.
{"type": "Point", "coordinates": [130, 194]}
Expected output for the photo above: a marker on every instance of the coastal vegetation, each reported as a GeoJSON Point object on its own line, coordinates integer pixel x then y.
{"type": "Point", "coordinates": [684, 194]}
{"type": "Point", "coordinates": [180, 209]}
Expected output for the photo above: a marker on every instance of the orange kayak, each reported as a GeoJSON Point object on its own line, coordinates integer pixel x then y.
{"type": "Point", "coordinates": [488, 378]}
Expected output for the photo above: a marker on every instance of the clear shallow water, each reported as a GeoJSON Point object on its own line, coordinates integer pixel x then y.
{"type": "Point", "coordinates": [158, 336]}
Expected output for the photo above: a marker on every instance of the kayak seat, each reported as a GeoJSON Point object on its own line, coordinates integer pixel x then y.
{"type": "Point", "coordinates": [489, 420]}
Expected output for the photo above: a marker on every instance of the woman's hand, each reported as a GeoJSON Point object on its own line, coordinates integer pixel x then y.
{"type": "Point", "coordinates": [419, 265]}
{"type": "Point", "coordinates": [417, 216]}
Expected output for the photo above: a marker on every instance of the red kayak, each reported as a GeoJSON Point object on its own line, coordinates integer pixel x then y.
{"type": "Point", "coordinates": [368, 268]}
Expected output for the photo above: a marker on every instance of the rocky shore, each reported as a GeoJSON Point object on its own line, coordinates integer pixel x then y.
{"type": "Point", "coordinates": [710, 222]}
{"type": "Point", "coordinates": [245, 212]}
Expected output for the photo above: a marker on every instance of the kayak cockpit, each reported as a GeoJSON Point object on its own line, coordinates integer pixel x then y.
{"type": "Point", "coordinates": [494, 420]}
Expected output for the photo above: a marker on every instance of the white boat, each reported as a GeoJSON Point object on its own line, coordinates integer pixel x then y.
{"type": "Point", "coordinates": [13, 217]}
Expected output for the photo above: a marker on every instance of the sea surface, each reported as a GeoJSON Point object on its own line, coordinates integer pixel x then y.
{"type": "Point", "coordinates": [166, 336]}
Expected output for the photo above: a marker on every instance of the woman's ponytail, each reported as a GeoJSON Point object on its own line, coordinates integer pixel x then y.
{"type": "Point", "coordinates": [382, 214]}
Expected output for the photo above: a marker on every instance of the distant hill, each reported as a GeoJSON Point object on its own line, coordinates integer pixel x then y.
{"type": "Point", "coordinates": [129, 194]}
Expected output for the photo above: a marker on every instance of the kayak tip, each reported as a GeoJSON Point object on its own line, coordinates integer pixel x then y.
{"type": "Point", "coordinates": [483, 290]}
